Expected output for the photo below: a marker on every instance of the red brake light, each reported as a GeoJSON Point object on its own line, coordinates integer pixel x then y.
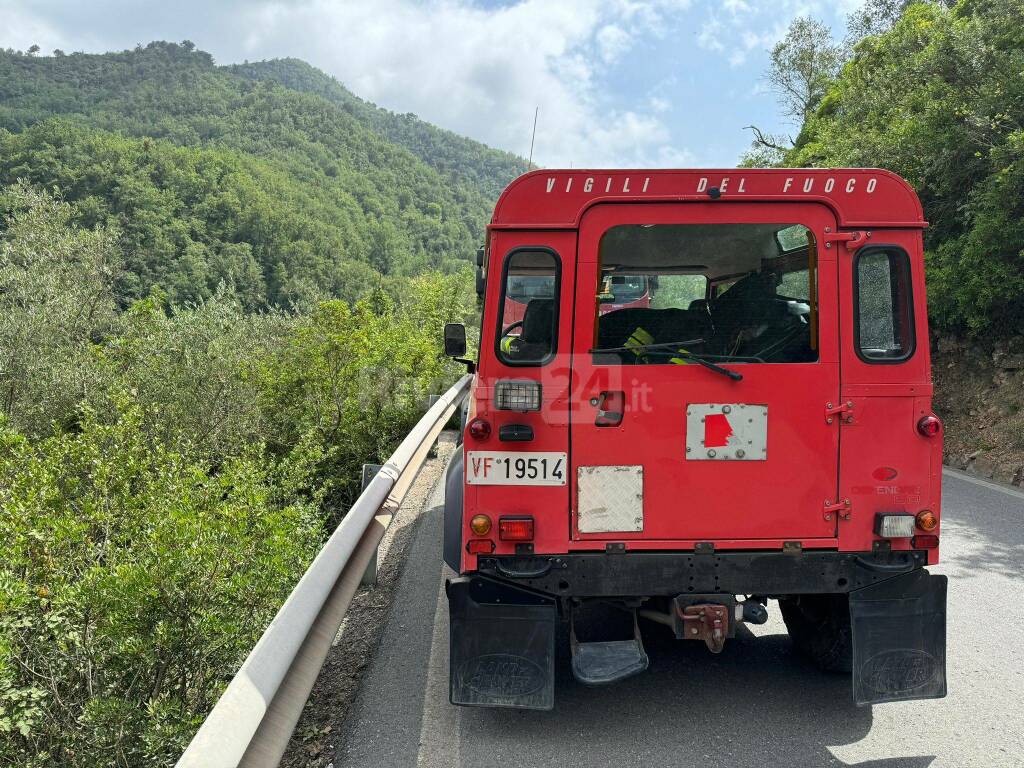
{"type": "Point", "coordinates": [479, 429]}
{"type": "Point", "coordinates": [479, 546]}
{"type": "Point", "coordinates": [929, 426]}
{"type": "Point", "coordinates": [515, 528]}
{"type": "Point", "coordinates": [925, 541]}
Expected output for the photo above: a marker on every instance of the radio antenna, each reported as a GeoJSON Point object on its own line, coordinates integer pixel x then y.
{"type": "Point", "coordinates": [533, 136]}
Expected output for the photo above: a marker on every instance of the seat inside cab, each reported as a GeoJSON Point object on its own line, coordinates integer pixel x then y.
{"type": "Point", "coordinates": [726, 292]}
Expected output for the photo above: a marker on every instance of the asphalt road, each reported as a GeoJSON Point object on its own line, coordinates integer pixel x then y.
{"type": "Point", "coordinates": [756, 704]}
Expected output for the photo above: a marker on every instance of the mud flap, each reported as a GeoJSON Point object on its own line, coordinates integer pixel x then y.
{"type": "Point", "coordinates": [502, 645]}
{"type": "Point", "coordinates": [899, 639]}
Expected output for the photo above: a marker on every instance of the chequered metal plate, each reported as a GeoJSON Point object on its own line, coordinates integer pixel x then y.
{"type": "Point", "coordinates": [611, 499]}
{"type": "Point", "coordinates": [726, 432]}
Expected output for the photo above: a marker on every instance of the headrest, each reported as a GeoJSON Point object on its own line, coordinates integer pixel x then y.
{"type": "Point", "coordinates": [537, 321]}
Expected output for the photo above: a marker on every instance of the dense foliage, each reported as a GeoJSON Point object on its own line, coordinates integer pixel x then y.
{"type": "Point", "coordinates": [936, 93]}
{"type": "Point", "coordinates": [167, 472]}
{"type": "Point", "coordinates": [271, 175]}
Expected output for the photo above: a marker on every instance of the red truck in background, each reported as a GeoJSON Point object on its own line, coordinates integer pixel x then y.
{"type": "Point", "coordinates": [617, 292]}
{"type": "Point", "coordinates": [754, 424]}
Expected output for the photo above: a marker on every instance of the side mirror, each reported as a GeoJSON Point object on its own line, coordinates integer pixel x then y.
{"type": "Point", "coordinates": [454, 340]}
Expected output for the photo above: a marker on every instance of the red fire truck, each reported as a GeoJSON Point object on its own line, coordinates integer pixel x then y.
{"type": "Point", "coordinates": [759, 429]}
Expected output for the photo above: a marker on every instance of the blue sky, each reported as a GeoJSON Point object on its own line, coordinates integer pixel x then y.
{"type": "Point", "coordinates": [619, 83]}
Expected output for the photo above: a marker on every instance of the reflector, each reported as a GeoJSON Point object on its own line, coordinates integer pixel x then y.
{"type": "Point", "coordinates": [929, 426]}
{"type": "Point", "coordinates": [479, 546]}
{"type": "Point", "coordinates": [925, 541]}
{"type": "Point", "coordinates": [480, 429]}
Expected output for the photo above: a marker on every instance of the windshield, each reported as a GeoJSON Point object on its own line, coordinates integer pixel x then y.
{"type": "Point", "coordinates": [623, 289]}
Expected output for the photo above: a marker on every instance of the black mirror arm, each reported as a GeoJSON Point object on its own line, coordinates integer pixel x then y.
{"type": "Point", "coordinates": [470, 364]}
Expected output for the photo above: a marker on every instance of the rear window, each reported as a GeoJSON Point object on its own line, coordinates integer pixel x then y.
{"type": "Point", "coordinates": [528, 322]}
{"type": "Point", "coordinates": [726, 292]}
{"type": "Point", "coordinates": [885, 313]}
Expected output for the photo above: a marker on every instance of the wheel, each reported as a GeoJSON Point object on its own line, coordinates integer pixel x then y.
{"type": "Point", "coordinates": [819, 626]}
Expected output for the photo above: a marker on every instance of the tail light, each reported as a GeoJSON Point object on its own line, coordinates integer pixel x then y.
{"type": "Point", "coordinates": [927, 521]}
{"type": "Point", "coordinates": [929, 426]}
{"type": "Point", "coordinates": [479, 429]}
{"type": "Point", "coordinates": [515, 528]}
{"type": "Point", "coordinates": [519, 396]}
{"type": "Point", "coordinates": [925, 541]}
{"type": "Point", "coordinates": [480, 525]}
{"type": "Point", "coordinates": [894, 526]}
{"type": "Point", "coordinates": [479, 546]}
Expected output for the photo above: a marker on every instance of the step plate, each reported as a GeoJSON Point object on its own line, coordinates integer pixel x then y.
{"type": "Point", "coordinates": [608, 662]}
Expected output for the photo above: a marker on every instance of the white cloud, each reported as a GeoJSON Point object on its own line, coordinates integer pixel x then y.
{"type": "Point", "coordinates": [659, 104]}
{"type": "Point", "coordinates": [475, 70]}
{"type": "Point", "coordinates": [612, 42]}
{"type": "Point", "coordinates": [478, 71]}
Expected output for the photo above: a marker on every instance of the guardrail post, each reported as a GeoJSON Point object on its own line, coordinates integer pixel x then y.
{"type": "Point", "coordinates": [369, 577]}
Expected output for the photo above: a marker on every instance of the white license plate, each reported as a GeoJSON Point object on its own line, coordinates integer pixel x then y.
{"type": "Point", "coordinates": [515, 468]}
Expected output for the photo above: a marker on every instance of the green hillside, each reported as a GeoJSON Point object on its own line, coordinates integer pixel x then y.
{"type": "Point", "coordinates": [460, 159]}
{"type": "Point", "coordinates": [219, 295]}
{"type": "Point", "coordinates": [271, 176]}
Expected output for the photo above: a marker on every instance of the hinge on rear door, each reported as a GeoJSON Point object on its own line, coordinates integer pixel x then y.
{"type": "Point", "coordinates": [831, 411]}
{"type": "Point", "coordinates": [853, 240]}
{"type": "Point", "coordinates": [841, 509]}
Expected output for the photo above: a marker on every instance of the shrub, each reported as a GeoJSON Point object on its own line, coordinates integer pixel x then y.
{"type": "Point", "coordinates": [133, 581]}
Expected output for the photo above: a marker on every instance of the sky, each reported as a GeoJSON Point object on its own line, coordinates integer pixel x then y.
{"type": "Point", "coordinates": [619, 83]}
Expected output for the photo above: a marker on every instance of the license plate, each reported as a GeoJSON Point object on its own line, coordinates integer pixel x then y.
{"type": "Point", "coordinates": [515, 468]}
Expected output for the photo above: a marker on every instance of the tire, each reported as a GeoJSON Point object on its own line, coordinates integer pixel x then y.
{"type": "Point", "coordinates": [819, 626]}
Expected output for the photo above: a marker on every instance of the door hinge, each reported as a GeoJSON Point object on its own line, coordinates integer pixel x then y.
{"type": "Point", "coordinates": [853, 240]}
{"type": "Point", "coordinates": [841, 509]}
{"type": "Point", "coordinates": [831, 411]}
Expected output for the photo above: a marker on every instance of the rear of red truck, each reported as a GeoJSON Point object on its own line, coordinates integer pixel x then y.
{"type": "Point", "coordinates": [758, 428]}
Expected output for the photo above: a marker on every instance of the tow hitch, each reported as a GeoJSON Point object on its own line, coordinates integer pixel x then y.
{"type": "Point", "coordinates": [706, 622]}
{"type": "Point", "coordinates": [711, 618]}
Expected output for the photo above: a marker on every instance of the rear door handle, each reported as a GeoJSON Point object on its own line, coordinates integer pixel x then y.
{"type": "Point", "coordinates": [611, 405]}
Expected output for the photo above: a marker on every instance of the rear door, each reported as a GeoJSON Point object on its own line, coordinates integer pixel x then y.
{"type": "Point", "coordinates": [665, 449]}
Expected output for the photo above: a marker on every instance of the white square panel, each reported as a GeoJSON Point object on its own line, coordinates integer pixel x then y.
{"type": "Point", "coordinates": [611, 499]}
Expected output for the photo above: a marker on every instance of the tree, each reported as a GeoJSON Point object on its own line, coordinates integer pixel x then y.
{"type": "Point", "coordinates": [33, 50]}
{"type": "Point", "coordinates": [802, 67]}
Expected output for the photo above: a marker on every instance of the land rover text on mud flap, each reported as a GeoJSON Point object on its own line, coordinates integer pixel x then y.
{"type": "Point", "coordinates": [697, 391]}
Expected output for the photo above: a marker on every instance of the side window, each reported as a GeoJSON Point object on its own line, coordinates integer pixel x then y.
{"type": "Point", "coordinates": [885, 311]}
{"type": "Point", "coordinates": [528, 322]}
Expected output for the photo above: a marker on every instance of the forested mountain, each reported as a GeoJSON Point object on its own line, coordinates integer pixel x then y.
{"type": "Point", "coordinates": [270, 176]}
{"type": "Point", "coordinates": [185, 399]}
{"type": "Point", "coordinates": [458, 158]}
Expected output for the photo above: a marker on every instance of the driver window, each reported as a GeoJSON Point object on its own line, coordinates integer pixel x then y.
{"type": "Point", "coordinates": [529, 311]}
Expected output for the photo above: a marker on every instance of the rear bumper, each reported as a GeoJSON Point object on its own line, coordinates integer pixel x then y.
{"type": "Point", "coordinates": [644, 574]}
{"type": "Point", "coordinates": [503, 618]}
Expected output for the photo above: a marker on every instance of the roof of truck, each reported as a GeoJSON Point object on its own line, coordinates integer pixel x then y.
{"type": "Point", "coordinates": [860, 197]}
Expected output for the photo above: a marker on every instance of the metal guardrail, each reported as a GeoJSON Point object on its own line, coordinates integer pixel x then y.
{"type": "Point", "coordinates": [252, 722]}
